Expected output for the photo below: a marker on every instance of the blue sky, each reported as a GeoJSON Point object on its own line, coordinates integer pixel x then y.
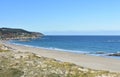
{"type": "Point", "coordinates": [82, 17]}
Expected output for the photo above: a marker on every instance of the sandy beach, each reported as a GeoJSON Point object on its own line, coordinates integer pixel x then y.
{"type": "Point", "coordinates": [94, 62]}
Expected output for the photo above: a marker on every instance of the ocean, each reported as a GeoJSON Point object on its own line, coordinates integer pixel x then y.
{"type": "Point", "coordinates": [93, 45]}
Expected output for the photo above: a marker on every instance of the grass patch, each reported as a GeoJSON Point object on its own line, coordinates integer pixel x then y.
{"type": "Point", "coordinates": [10, 72]}
{"type": "Point", "coordinates": [4, 50]}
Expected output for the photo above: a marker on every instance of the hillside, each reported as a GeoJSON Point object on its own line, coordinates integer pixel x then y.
{"type": "Point", "coordinates": [10, 33]}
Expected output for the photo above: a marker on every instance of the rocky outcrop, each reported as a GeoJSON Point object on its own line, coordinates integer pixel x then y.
{"type": "Point", "coordinates": [114, 54]}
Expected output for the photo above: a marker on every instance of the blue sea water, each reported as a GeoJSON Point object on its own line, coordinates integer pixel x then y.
{"type": "Point", "coordinates": [78, 44]}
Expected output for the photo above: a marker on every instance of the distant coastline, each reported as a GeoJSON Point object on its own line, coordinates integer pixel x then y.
{"type": "Point", "coordinates": [18, 34]}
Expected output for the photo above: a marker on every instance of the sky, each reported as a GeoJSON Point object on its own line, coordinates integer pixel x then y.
{"type": "Point", "coordinates": [62, 17]}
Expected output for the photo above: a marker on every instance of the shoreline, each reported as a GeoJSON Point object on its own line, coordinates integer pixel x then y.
{"type": "Point", "coordinates": [73, 51]}
{"type": "Point", "coordinates": [97, 53]}
{"type": "Point", "coordinates": [88, 61]}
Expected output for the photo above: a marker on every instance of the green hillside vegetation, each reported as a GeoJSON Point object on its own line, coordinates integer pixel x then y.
{"type": "Point", "coordinates": [10, 33]}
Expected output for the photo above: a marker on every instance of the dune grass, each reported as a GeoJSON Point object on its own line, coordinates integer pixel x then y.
{"type": "Point", "coordinates": [25, 64]}
{"type": "Point", "coordinates": [10, 72]}
{"type": "Point", "coordinates": [17, 64]}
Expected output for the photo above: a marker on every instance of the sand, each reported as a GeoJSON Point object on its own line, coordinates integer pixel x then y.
{"type": "Point", "coordinates": [88, 61]}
